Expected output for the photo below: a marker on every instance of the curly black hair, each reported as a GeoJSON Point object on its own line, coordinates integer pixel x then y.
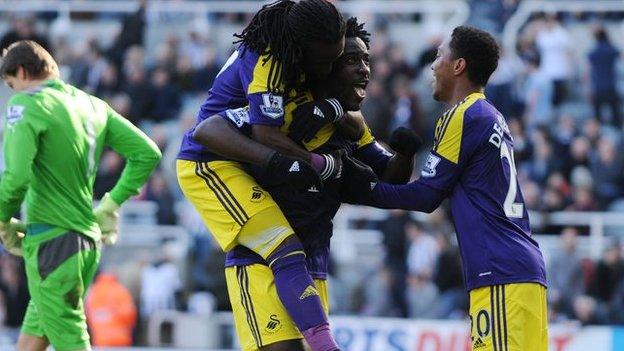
{"type": "Point", "coordinates": [281, 30]}
{"type": "Point", "coordinates": [355, 29]}
{"type": "Point", "coordinates": [479, 49]}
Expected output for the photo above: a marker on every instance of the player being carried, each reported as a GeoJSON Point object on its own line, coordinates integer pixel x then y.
{"type": "Point", "coordinates": [310, 212]}
{"type": "Point", "coordinates": [54, 136]}
{"type": "Point", "coordinates": [286, 47]}
{"type": "Point", "coordinates": [472, 164]}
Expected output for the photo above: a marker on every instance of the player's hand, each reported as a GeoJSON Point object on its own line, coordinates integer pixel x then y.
{"type": "Point", "coordinates": [107, 217]}
{"type": "Point", "coordinates": [405, 142]}
{"type": "Point", "coordinates": [310, 117]}
{"type": "Point", "coordinates": [11, 235]}
{"type": "Point", "coordinates": [358, 182]}
{"type": "Point", "coordinates": [281, 169]}
{"type": "Point", "coordinates": [333, 164]}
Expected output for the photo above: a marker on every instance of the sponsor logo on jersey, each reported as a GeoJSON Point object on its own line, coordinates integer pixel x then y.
{"type": "Point", "coordinates": [239, 116]}
{"type": "Point", "coordinates": [274, 324]}
{"type": "Point", "coordinates": [273, 106]}
{"type": "Point", "coordinates": [429, 170]}
{"type": "Point", "coordinates": [257, 194]}
{"type": "Point", "coordinates": [309, 291]}
{"type": "Point", "coordinates": [14, 114]}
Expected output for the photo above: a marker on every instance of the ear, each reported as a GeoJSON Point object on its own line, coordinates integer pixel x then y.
{"type": "Point", "coordinates": [21, 73]}
{"type": "Point", "coordinates": [459, 66]}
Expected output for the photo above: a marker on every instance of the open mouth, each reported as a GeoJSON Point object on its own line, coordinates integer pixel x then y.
{"type": "Point", "coordinates": [360, 89]}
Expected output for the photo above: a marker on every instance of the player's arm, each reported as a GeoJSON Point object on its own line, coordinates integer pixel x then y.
{"type": "Point", "coordinates": [266, 115]}
{"type": "Point", "coordinates": [141, 154]}
{"type": "Point", "coordinates": [441, 172]}
{"type": "Point", "coordinates": [21, 135]}
{"type": "Point", "coordinates": [391, 167]}
{"type": "Point", "coordinates": [221, 137]}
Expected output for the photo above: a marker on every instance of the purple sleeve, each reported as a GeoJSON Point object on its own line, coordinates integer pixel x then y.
{"type": "Point", "coordinates": [415, 196]}
{"type": "Point", "coordinates": [265, 108]}
{"type": "Point", "coordinates": [438, 177]}
{"type": "Point", "coordinates": [440, 173]}
{"type": "Point", "coordinates": [375, 156]}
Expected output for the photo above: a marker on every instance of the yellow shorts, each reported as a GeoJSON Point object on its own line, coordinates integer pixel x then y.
{"type": "Point", "coordinates": [233, 206]}
{"type": "Point", "coordinates": [259, 316]}
{"type": "Point", "coordinates": [509, 317]}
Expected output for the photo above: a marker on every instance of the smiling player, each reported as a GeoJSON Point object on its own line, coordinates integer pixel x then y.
{"type": "Point", "coordinates": [472, 164]}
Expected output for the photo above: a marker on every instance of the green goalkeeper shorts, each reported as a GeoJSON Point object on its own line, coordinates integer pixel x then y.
{"type": "Point", "coordinates": [60, 265]}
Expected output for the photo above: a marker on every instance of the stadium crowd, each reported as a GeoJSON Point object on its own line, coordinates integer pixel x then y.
{"type": "Point", "coordinates": [563, 107]}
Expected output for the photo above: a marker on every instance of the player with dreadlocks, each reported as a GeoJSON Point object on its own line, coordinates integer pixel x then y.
{"type": "Point", "coordinates": [310, 212]}
{"type": "Point", "coordinates": [287, 46]}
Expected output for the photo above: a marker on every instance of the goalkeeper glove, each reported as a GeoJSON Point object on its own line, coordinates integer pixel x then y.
{"type": "Point", "coordinates": [405, 142]}
{"type": "Point", "coordinates": [11, 235]}
{"type": "Point", "coordinates": [358, 182]}
{"type": "Point", "coordinates": [310, 117]}
{"type": "Point", "coordinates": [107, 217]}
{"type": "Point", "coordinates": [280, 169]}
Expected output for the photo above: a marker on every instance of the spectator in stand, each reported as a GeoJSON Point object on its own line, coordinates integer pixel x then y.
{"type": "Point", "coordinates": [579, 152]}
{"type": "Point", "coordinates": [14, 293]}
{"type": "Point", "coordinates": [421, 259]}
{"type": "Point", "coordinates": [23, 28]}
{"type": "Point", "coordinates": [448, 278]}
{"type": "Point", "coordinates": [140, 92]}
{"type": "Point", "coordinates": [131, 33]}
{"type": "Point", "coordinates": [111, 312]}
{"type": "Point", "coordinates": [206, 73]}
{"type": "Point", "coordinates": [555, 48]}
{"type": "Point", "coordinates": [158, 192]}
{"type": "Point", "coordinates": [165, 97]}
{"type": "Point", "coordinates": [111, 166]}
{"type": "Point", "coordinates": [184, 74]}
{"type": "Point", "coordinates": [588, 311]}
{"type": "Point", "coordinates": [375, 109]}
{"type": "Point", "coordinates": [108, 83]}
{"type": "Point", "coordinates": [537, 95]}
{"type": "Point", "coordinates": [395, 260]}
{"type": "Point", "coordinates": [603, 60]}
{"type": "Point", "coordinates": [565, 273]}
{"type": "Point", "coordinates": [544, 161]}
{"type": "Point", "coordinates": [583, 200]}
{"type": "Point", "coordinates": [406, 111]}
{"type": "Point", "coordinates": [609, 273]}
{"type": "Point", "coordinates": [160, 284]}
{"type": "Point", "coordinates": [607, 171]}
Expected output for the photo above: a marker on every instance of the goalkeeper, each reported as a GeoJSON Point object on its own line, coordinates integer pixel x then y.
{"type": "Point", "coordinates": [53, 138]}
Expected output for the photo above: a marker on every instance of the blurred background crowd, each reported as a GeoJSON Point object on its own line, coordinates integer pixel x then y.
{"type": "Point", "coordinates": [560, 90]}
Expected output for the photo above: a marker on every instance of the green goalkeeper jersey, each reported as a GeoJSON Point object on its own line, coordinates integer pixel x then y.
{"type": "Point", "coordinates": [53, 138]}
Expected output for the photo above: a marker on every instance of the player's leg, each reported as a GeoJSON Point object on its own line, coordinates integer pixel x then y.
{"type": "Point", "coordinates": [58, 268]}
{"type": "Point", "coordinates": [28, 342]}
{"type": "Point", "coordinates": [260, 318]}
{"type": "Point", "coordinates": [238, 211]}
{"type": "Point", "coordinates": [293, 282]}
{"type": "Point", "coordinates": [509, 318]}
{"type": "Point", "coordinates": [31, 336]}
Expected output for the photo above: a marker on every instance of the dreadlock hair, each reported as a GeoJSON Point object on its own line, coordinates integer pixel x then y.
{"type": "Point", "coordinates": [356, 30]}
{"type": "Point", "coordinates": [282, 30]}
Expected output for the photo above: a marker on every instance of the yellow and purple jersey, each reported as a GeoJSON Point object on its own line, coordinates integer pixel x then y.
{"type": "Point", "coordinates": [246, 79]}
{"type": "Point", "coordinates": [472, 164]}
{"type": "Point", "coordinates": [310, 213]}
